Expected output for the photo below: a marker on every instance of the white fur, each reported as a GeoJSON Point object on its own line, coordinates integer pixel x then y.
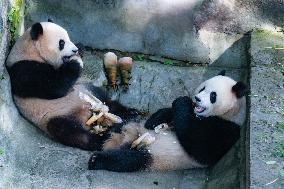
{"type": "Point", "coordinates": [48, 44]}
{"type": "Point", "coordinates": [45, 49]}
{"type": "Point", "coordinates": [168, 154]}
{"type": "Point", "coordinates": [227, 105]}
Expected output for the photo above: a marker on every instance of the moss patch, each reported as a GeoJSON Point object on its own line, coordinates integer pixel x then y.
{"type": "Point", "coordinates": [279, 149]}
{"type": "Point", "coordinates": [14, 20]}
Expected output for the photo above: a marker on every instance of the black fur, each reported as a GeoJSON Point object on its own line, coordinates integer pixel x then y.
{"type": "Point", "coordinates": [201, 89]}
{"type": "Point", "coordinates": [213, 97]}
{"type": "Point", "coordinates": [223, 73]}
{"type": "Point", "coordinates": [123, 112]}
{"type": "Point", "coordinates": [50, 20]}
{"type": "Point", "coordinates": [36, 31]}
{"type": "Point", "coordinates": [161, 116]}
{"type": "Point", "coordinates": [69, 132]}
{"type": "Point", "coordinates": [61, 44]}
{"type": "Point", "coordinates": [206, 139]}
{"type": "Point", "coordinates": [114, 107]}
{"type": "Point", "coordinates": [240, 89]}
{"type": "Point", "coordinates": [97, 92]}
{"type": "Point", "coordinates": [123, 160]}
{"type": "Point", "coordinates": [41, 80]}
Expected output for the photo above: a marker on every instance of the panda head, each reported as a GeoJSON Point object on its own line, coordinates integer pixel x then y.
{"type": "Point", "coordinates": [217, 96]}
{"type": "Point", "coordinates": [52, 43]}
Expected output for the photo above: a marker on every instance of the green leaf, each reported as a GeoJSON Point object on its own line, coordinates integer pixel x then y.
{"type": "Point", "coordinates": [1, 152]}
{"type": "Point", "coordinates": [139, 57]}
{"type": "Point", "coordinates": [168, 62]}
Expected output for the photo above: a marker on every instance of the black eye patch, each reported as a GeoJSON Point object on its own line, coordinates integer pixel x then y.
{"type": "Point", "coordinates": [213, 97]}
{"type": "Point", "coordinates": [202, 89]}
{"type": "Point", "coordinates": [61, 44]}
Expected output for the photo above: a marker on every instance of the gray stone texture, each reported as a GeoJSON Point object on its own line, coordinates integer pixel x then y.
{"type": "Point", "coordinates": [196, 31]}
{"type": "Point", "coordinates": [32, 160]}
{"type": "Point", "coordinates": [199, 31]}
{"type": "Point", "coordinates": [155, 85]}
{"type": "Point", "coordinates": [267, 111]}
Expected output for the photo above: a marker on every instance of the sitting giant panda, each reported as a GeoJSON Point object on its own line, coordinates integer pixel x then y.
{"type": "Point", "coordinates": [206, 127]}
{"type": "Point", "coordinates": [44, 66]}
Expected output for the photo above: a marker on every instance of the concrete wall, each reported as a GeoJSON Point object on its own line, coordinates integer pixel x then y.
{"type": "Point", "coordinates": [186, 30]}
{"type": "Point", "coordinates": [199, 31]}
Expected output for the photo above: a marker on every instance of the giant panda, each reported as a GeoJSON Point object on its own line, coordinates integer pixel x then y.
{"type": "Point", "coordinates": [205, 127]}
{"type": "Point", "coordinates": [44, 66]}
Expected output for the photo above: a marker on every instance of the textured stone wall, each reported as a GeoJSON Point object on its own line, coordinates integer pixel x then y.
{"type": "Point", "coordinates": [199, 31]}
{"type": "Point", "coordinates": [192, 30]}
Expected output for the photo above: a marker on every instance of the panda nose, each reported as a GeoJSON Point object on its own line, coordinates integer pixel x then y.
{"type": "Point", "coordinates": [197, 99]}
{"type": "Point", "coordinates": [75, 50]}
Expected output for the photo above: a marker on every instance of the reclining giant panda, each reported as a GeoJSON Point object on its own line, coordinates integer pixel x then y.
{"type": "Point", "coordinates": [44, 66]}
{"type": "Point", "coordinates": [205, 128]}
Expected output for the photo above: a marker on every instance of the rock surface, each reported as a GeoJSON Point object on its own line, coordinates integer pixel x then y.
{"type": "Point", "coordinates": [154, 85]}
{"type": "Point", "coordinates": [267, 111]}
{"type": "Point", "coordinates": [32, 160]}
{"type": "Point", "coordinates": [186, 30]}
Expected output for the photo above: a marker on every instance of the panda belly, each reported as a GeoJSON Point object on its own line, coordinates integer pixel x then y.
{"type": "Point", "coordinates": [40, 111]}
{"type": "Point", "coordinates": [163, 154]}
{"type": "Point", "coordinates": [168, 154]}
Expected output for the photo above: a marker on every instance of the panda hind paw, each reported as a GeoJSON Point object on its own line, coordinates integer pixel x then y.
{"type": "Point", "coordinates": [94, 159]}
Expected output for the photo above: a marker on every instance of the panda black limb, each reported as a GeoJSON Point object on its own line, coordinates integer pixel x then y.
{"type": "Point", "coordinates": [203, 132]}
{"type": "Point", "coordinates": [44, 66]}
{"type": "Point", "coordinates": [206, 139]}
{"type": "Point", "coordinates": [34, 79]}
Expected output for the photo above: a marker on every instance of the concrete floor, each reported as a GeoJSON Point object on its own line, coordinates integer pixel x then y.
{"type": "Point", "coordinates": [29, 159]}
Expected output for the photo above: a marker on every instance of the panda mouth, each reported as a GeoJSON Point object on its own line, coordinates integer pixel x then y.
{"type": "Point", "coordinates": [66, 58]}
{"type": "Point", "coordinates": [199, 109]}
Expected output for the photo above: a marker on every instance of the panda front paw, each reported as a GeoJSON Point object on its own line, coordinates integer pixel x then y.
{"type": "Point", "coordinates": [77, 59]}
{"type": "Point", "coordinates": [69, 70]}
{"type": "Point", "coordinates": [161, 116]}
{"type": "Point", "coordinates": [183, 104]}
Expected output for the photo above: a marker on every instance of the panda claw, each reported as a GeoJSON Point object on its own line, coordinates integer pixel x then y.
{"type": "Point", "coordinates": [92, 162]}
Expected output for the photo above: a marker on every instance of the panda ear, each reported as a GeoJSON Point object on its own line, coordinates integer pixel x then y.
{"type": "Point", "coordinates": [36, 31]}
{"type": "Point", "coordinates": [223, 72]}
{"type": "Point", "coordinates": [240, 89]}
{"type": "Point", "coordinates": [50, 20]}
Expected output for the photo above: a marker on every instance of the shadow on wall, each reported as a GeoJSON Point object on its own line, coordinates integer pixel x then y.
{"type": "Point", "coordinates": [239, 16]}
{"type": "Point", "coordinates": [236, 54]}
{"type": "Point", "coordinates": [152, 27]}
{"type": "Point", "coordinates": [270, 11]}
